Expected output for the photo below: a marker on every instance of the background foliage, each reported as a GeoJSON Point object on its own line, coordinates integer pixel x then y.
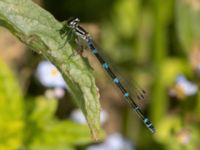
{"type": "Point", "coordinates": [150, 41]}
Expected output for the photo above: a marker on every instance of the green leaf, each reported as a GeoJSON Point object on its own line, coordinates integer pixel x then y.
{"type": "Point", "coordinates": [166, 126]}
{"type": "Point", "coordinates": [188, 23]}
{"type": "Point", "coordinates": [11, 110]}
{"type": "Point", "coordinates": [174, 68]}
{"type": "Point", "coordinates": [39, 30]}
{"type": "Point", "coordinates": [44, 130]}
{"type": "Point", "coordinates": [66, 147]}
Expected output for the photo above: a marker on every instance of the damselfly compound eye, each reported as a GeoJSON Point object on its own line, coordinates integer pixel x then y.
{"type": "Point", "coordinates": [72, 22]}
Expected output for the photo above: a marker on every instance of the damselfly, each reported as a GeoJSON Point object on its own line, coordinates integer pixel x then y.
{"type": "Point", "coordinates": [73, 25]}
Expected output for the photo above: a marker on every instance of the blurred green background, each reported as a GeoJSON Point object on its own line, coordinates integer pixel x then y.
{"type": "Point", "coordinates": [153, 42]}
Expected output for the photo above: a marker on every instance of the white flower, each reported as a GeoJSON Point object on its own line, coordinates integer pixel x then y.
{"type": "Point", "coordinates": [184, 136]}
{"type": "Point", "coordinates": [113, 142]}
{"type": "Point", "coordinates": [78, 116]}
{"type": "Point", "coordinates": [183, 87]}
{"type": "Point", "coordinates": [187, 87]}
{"type": "Point", "coordinates": [55, 93]}
{"type": "Point", "coordinates": [49, 76]}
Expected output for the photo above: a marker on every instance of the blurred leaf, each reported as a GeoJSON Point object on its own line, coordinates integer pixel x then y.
{"type": "Point", "coordinates": [62, 147]}
{"type": "Point", "coordinates": [123, 11]}
{"type": "Point", "coordinates": [163, 11]}
{"type": "Point", "coordinates": [45, 130]}
{"type": "Point", "coordinates": [173, 67]}
{"type": "Point", "coordinates": [39, 30]}
{"type": "Point", "coordinates": [43, 111]}
{"type": "Point", "coordinates": [163, 14]}
{"type": "Point", "coordinates": [188, 23]}
{"type": "Point", "coordinates": [118, 32]}
{"type": "Point", "coordinates": [158, 101]}
{"type": "Point", "coordinates": [174, 136]}
{"type": "Point", "coordinates": [144, 37]}
{"type": "Point", "coordinates": [197, 109]}
{"type": "Point", "coordinates": [167, 127]}
{"type": "Point", "coordinates": [11, 110]}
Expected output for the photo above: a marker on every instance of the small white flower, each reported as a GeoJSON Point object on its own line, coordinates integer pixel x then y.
{"type": "Point", "coordinates": [55, 93]}
{"type": "Point", "coordinates": [184, 136]}
{"type": "Point", "coordinates": [49, 76]}
{"type": "Point", "coordinates": [113, 142]}
{"type": "Point", "coordinates": [49, 94]}
{"type": "Point", "coordinates": [183, 87]}
{"type": "Point", "coordinates": [59, 92]}
{"type": "Point", "coordinates": [187, 87]}
{"type": "Point", "coordinates": [78, 116]}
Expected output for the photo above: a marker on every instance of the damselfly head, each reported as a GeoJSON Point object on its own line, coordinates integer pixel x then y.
{"type": "Point", "coordinates": [72, 22]}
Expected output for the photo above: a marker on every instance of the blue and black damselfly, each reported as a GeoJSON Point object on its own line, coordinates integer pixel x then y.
{"type": "Point", "coordinates": [73, 26]}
